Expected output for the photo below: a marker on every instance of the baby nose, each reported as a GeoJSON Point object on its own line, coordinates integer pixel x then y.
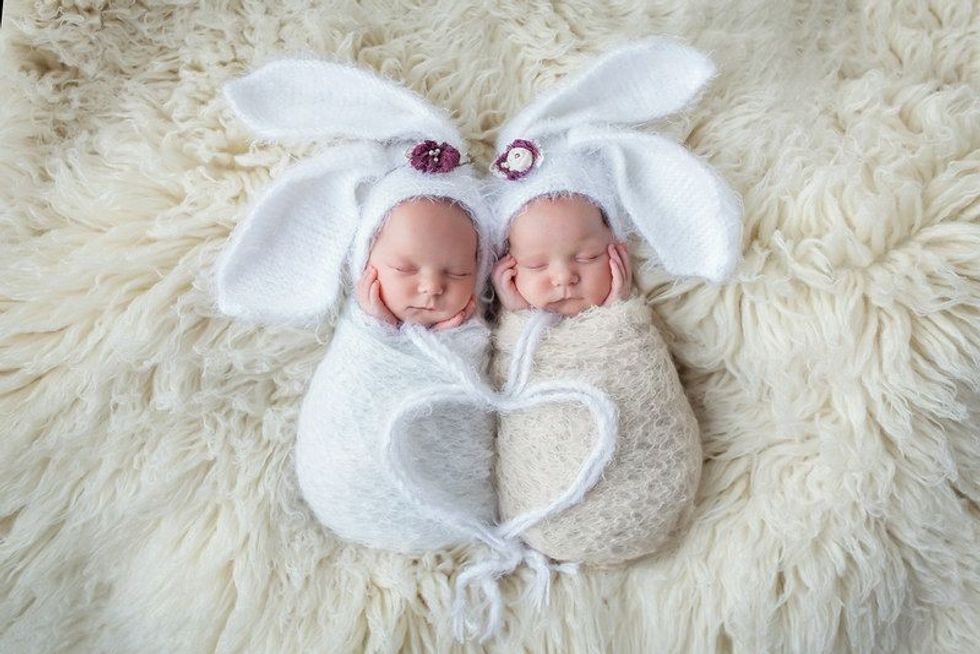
{"type": "Point", "coordinates": [431, 285]}
{"type": "Point", "coordinates": [564, 277]}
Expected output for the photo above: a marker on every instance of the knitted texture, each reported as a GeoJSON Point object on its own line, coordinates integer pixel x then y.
{"type": "Point", "coordinates": [368, 372]}
{"type": "Point", "coordinates": [648, 486]}
{"type": "Point", "coordinates": [579, 139]}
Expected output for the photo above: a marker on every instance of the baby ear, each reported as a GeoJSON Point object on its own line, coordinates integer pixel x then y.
{"type": "Point", "coordinates": [302, 98]}
{"type": "Point", "coordinates": [285, 261]}
{"type": "Point", "coordinates": [631, 85]}
{"type": "Point", "coordinates": [682, 207]}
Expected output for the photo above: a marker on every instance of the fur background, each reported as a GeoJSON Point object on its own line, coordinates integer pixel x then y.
{"type": "Point", "coordinates": [147, 497]}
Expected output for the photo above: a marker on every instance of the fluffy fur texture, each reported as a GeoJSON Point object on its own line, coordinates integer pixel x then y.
{"type": "Point", "coordinates": [648, 486]}
{"type": "Point", "coordinates": [370, 374]}
{"type": "Point", "coordinates": [147, 494]}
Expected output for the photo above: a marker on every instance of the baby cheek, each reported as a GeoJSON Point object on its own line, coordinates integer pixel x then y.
{"type": "Point", "coordinates": [460, 290]}
{"type": "Point", "coordinates": [533, 286]}
{"type": "Point", "coordinates": [394, 292]}
{"type": "Point", "coordinates": [597, 282]}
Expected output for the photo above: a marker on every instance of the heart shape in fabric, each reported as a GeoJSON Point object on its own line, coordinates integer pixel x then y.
{"type": "Point", "coordinates": [606, 417]}
{"type": "Point", "coordinates": [414, 453]}
{"type": "Point", "coordinates": [426, 452]}
{"type": "Point", "coordinates": [403, 460]}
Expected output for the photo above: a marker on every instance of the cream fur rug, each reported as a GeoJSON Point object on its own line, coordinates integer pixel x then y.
{"type": "Point", "coordinates": [147, 497]}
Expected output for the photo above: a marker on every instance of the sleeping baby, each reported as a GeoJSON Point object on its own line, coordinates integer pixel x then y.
{"type": "Point", "coordinates": [421, 272]}
{"type": "Point", "coordinates": [563, 258]}
{"type": "Point", "coordinates": [423, 266]}
{"type": "Point", "coordinates": [395, 434]}
{"type": "Point", "coordinates": [599, 417]}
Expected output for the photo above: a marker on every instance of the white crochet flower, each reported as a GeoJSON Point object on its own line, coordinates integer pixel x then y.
{"type": "Point", "coordinates": [517, 160]}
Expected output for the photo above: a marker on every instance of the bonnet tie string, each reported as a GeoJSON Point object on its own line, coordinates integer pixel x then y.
{"type": "Point", "coordinates": [527, 344]}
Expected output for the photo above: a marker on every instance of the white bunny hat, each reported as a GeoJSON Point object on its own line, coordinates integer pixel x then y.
{"type": "Point", "coordinates": [575, 139]}
{"type": "Point", "coordinates": [288, 260]}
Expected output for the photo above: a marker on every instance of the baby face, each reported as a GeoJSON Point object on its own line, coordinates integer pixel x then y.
{"type": "Point", "coordinates": [425, 256]}
{"type": "Point", "coordinates": [561, 248]}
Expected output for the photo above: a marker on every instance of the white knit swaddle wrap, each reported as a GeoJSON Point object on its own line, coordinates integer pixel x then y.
{"type": "Point", "coordinates": [307, 238]}
{"type": "Point", "coordinates": [369, 372]}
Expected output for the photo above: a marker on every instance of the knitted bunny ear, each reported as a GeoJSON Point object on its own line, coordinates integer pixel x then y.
{"type": "Point", "coordinates": [631, 85]}
{"type": "Point", "coordinates": [285, 262]}
{"type": "Point", "coordinates": [308, 98]}
{"type": "Point", "coordinates": [690, 216]}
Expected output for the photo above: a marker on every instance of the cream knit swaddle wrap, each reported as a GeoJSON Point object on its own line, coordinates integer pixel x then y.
{"type": "Point", "coordinates": [580, 138]}
{"type": "Point", "coordinates": [649, 484]}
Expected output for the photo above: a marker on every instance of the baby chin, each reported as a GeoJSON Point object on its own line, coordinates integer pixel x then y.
{"type": "Point", "coordinates": [568, 306]}
{"type": "Point", "coordinates": [426, 317]}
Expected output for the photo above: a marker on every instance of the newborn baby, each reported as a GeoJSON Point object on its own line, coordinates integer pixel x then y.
{"type": "Point", "coordinates": [566, 256]}
{"type": "Point", "coordinates": [422, 270]}
{"type": "Point", "coordinates": [422, 267]}
{"type": "Point", "coordinates": [563, 258]}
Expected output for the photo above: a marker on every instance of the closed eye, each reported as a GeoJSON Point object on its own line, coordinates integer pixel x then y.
{"type": "Point", "coordinates": [404, 269]}
{"type": "Point", "coordinates": [534, 266]}
{"type": "Point", "coordinates": [586, 258]}
{"type": "Point", "coordinates": [460, 275]}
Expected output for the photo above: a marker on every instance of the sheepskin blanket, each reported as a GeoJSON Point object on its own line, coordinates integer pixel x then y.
{"type": "Point", "coordinates": [148, 501]}
{"type": "Point", "coordinates": [647, 488]}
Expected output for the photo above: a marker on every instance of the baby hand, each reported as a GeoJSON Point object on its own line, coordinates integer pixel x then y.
{"type": "Point", "coordinates": [368, 295]}
{"type": "Point", "coordinates": [504, 273]}
{"type": "Point", "coordinates": [622, 274]}
{"type": "Point", "coordinates": [464, 314]}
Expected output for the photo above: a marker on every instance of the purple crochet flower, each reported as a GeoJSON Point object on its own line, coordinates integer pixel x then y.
{"type": "Point", "coordinates": [518, 159]}
{"type": "Point", "coordinates": [432, 157]}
